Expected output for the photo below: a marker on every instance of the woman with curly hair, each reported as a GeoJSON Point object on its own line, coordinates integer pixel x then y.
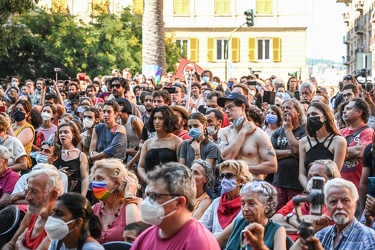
{"type": "Point", "coordinates": [163, 147]}
{"type": "Point", "coordinates": [22, 129]}
{"type": "Point", "coordinates": [115, 187]}
{"type": "Point", "coordinates": [72, 161]}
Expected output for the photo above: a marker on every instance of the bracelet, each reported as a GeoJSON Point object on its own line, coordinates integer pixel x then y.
{"type": "Point", "coordinates": [129, 196]}
{"type": "Point", "coordinates": [130, 201]}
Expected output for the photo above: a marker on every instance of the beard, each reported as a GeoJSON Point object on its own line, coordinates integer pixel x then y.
{"type": "Point", "coordinates": [115, 93]}
{"type": "Point", "coordinates": [340, 218]}
{"type": "Point", "coordinates": [149, 108]}
{"type": "Point", "coordinates": [37, 208]}
{"type": "Point", "coordinates": [72, 96]}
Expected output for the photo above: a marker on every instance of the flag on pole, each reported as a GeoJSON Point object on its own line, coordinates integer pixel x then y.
{"type": "Point", "coordinates": [187, 67]}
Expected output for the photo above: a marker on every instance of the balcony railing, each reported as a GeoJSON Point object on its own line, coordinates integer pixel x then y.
{"type": "Point", "coordinates": [345, 39]}
{"type": "Point", "coordinates": [359, 29]}
{"type": "Point", "coordinates": [346, 17]}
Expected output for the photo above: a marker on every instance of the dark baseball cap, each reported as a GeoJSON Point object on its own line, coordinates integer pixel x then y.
{"type": "Point", "coordinates": [232, 96]}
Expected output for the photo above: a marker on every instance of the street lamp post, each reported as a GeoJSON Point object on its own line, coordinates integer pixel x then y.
{"type": "Point", "coordinates": [226, 50]}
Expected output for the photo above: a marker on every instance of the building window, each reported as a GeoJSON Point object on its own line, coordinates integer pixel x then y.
{"type": "Point", "coordinates": [181, 7]}
{"type": "Point", "coordinates": [263, 49]}
{"type": "Point", "coordinates": [264, 7]}
{"type": "Point", "coordinates": [222, 7]}
{"type": "Point", "coordinates": [220, 49]}
{"type": "Point", "coordinates": [183, 45]}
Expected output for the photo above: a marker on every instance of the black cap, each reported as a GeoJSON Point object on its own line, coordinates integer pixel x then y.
{"type": "Point", "coordinates": [232, 96]}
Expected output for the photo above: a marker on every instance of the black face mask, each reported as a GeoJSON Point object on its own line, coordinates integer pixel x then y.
{"type": "Point", "coordinates": [19, 115]}
{"type": "Point", "coordinates": [314, 123]}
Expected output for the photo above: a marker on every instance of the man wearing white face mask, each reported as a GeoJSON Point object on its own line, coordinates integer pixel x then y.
{"type": "Point", "coordinates": [90, 119]}
{"type": "Point", "coordinates": [215, 119]}
{"type": "Point", "coordinates": [169, 204]}
{"type": "Point", "coordinates": [44, 186]}
{"type": "Point", "coordinates": [243, 141]}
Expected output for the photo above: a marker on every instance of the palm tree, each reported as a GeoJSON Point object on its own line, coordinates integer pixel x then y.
{"type": "Point", "coordinates": [153, 42]}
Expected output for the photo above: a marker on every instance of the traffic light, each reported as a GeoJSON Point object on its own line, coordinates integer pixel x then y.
{"type": "Point", "coordinates": [249, 18]}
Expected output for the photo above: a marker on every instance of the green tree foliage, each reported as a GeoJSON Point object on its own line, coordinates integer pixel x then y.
{"type": "Point", "coordinates": [42, 41]}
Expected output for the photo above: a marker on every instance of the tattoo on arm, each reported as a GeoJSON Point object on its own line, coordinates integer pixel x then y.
{"type": "Point", "coordinates": [270, 151]}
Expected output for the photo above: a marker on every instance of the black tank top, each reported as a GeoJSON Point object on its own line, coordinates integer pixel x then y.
{"type": "Point", "coordinates": [156, 156]}
{"type": "Point", "coordinates": [318, 152]}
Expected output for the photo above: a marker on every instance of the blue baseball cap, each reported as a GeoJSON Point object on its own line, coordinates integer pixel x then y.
{"type": "Point", "coordinates": [232, 96]}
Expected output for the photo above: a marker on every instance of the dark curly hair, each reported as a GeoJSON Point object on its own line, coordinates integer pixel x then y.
{"type": "Point", "coordinates": [256, 115]}
{"type": "Point", "coordinates": [170, 119]}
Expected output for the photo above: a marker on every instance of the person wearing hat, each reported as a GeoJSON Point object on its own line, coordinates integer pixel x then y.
{"type": "Point", "coordinates": [133, 126]}
{"type": "Point", "coordinates": [182, 115]}
{"type": "Point", "coordinates": [242, 140]}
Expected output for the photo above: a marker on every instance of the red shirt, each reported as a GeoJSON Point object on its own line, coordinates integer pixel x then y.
{"type": "Point", "coordinates": [184, 135]}
{"type": "Point", "coordinates": [35, 242]}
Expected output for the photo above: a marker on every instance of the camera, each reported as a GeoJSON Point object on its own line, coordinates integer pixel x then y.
{"type": "Point", "coordinates": [57, 69]}
{"type": "Point", "coordinates": [48, 82]}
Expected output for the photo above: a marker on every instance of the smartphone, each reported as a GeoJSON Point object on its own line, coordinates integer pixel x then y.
{"type": "Point", "coordinates": [369, 86]}
{"type": "Point", "coordinates": [269, 97]}
{"type": "Point", "coordinates": [297, 95]}
{"type": "Point", "coordinates": [171, 90]}
{"type": "Point", "coordinates": [81, 76]}
{"type": "Point", "coordinates": [3, 108]}
{"type": "Point", "coordinates": [371, 186]}
{"type": "Point", "coordinates": [71, 170]}
{"type": "Point", "coordinates": [317, 187]}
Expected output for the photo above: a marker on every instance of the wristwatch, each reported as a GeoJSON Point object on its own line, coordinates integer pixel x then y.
{"type": "Point", "coordinates": [288, 216]}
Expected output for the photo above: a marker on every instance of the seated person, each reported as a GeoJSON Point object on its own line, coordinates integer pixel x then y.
{"type": "Point", "coordinates": [223, 210]}
{"type": "Point", "coordinates": [259, 201]}
{"type": "Point", "coordinates": [132, 230]}
{"type": "Point", "coordinates": [341, 197]}
{"type": "Point", "coordinates": [286, 216]}
{"type": "Point", "coordinates": [8, 178]}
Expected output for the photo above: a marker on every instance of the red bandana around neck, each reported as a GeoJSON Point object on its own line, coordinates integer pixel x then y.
{"type": "Point", "coordinates": [228, 210]}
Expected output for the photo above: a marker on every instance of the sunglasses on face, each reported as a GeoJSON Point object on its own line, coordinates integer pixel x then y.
{"type": "Point", "coordinates": [227, 176]}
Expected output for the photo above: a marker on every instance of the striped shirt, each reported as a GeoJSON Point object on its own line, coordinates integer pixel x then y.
{"type": "Point", "coordinates": [354, 236]}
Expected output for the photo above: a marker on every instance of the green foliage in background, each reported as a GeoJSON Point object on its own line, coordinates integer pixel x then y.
{"type": "Point", "coordinates": [42, 41]}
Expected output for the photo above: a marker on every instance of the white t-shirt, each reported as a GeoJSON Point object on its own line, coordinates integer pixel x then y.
{"type": "Point", "coordinates": [16, 149]}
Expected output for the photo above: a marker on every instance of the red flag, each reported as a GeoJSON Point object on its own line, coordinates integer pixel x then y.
{"type": "Point", "coordinates": [186, 67]}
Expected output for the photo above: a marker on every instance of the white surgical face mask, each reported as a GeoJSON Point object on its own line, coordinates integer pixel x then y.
{"type": "Point", "coordinates": [46, 116]}
{"type": "Point", "coordinates": [153, 212]}
{"type": "Point", "coordinates": [211, 130]}
{"type": "Point", "coordinates": [238, 121]}
{"type": "Point", "coordinates": [56, 228]}
{"type": "Point", "coordinates": [88, 123]}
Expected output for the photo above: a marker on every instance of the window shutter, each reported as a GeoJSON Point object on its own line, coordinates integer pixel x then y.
{"type": "Point", "coordinates": [194, 45]}
{"type": "Point", "coordinates": [276, 49]}
{"type": "Point", "coordinates": [264, 7]}
{"type": "Point", "coordinates": [235, 49]}
{"type": "Point", "coordinates": [210, 49]}
{"type": "Point", "coordinates": [252, 49]}
{"type": "Point", "coordinates": [138, 6]}
{"type": "Point", "coordinates": [181, 6]}
{"type": "Point", "coordinates": [268, 7]}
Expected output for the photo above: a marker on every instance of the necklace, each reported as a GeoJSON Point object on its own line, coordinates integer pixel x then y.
{"type": "Point", "coordinates": [109, 226]}
{"type": "Point", "coordinates": [66, 151]}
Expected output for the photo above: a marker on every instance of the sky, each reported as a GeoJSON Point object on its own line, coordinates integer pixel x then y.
{"type": "Point", "coordinates": [326, 29]}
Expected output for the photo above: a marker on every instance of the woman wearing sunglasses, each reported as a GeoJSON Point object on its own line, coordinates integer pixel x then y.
{"type": "Point", "coordinates": [259, 201]}
{"type": "Point", "coordinates": [72, 161]}
{"type": "Point", "coordinates": [225, 209]}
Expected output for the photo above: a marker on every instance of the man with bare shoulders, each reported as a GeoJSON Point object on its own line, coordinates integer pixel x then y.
{"type": "Point", "coordinates": [242, 140]}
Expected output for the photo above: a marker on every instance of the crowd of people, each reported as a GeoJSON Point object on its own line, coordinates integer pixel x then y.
{"type": "Point", "coordinates": [123, 158]}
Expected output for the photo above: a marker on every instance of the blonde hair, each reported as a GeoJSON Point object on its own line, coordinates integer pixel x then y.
{"type": "Point", "coordinates": [240, 167]}
{"type": "Point", "coordinates": [116, 171]}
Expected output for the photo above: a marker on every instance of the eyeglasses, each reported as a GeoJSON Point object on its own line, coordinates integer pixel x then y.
{"type": "Point", "coordinates": [227, 176]}
{"type": "Point", "coordinates": [116, 86]}
{"type": "Point", "coordinates": [49, 143]}
{"type": "Point", "coordinates": [155, 196]}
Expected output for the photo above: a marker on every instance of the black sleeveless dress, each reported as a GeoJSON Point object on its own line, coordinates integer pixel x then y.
{"type": "Point", "coordinates": [156, 156]}
{"type": "Point", "coordinates": [75, 179]}
{"type": "Point", "coordinates": [318, 152]}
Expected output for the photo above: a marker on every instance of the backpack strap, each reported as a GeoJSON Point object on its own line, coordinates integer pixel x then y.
{"type": "Point", "coordinates": [351, 137]}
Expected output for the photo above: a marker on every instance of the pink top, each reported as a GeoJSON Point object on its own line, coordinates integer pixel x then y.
{"type": "Point", "coordinates": [193, 235]}
{"type": "Point", "coordinates": [116, 231]}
